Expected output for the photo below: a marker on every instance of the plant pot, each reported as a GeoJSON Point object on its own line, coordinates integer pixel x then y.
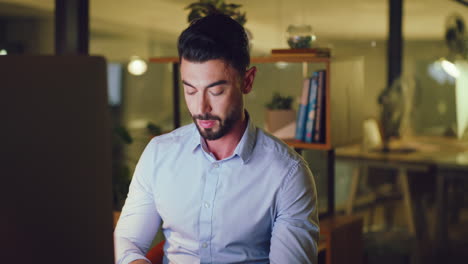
{"type": "Point", "coordinates": [277, 119]}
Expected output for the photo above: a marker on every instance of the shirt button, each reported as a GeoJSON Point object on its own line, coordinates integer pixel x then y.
{"type": "Point", "coordinates": [207, 205]}
{"type": "Point", "coordinates": [216, 165]}
{"type": "Point", "coordinates": [204, 245]}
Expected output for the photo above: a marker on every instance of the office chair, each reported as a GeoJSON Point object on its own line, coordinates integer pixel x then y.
{"type": "Point", "coordinates": [156, 253]}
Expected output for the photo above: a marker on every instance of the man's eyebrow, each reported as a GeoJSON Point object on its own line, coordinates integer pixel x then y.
{"type": "Point", "coordinates": [216, 83]}
{"type": "Point", "coordinates": [209, 85]}
{"type": "Point", "coordinates": [188, 84]}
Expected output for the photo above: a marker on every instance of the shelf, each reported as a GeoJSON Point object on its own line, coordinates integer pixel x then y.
{"type": "Point", "coordinates": [165, 60]}
{"type": "Point", "coordinates": [290, 58]}
{"type": "Point", "coordinates": [303, 145]}
{"type": "Point", "coordinates": [266, 59]}
{"type": "Point", "coordinates": [322, 245]}
{"type": "Point", "coordinates": [304, 60]}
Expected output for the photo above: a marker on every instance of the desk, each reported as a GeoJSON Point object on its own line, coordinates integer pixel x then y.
{"type": "Point", "coordinates": [446, 157]}
{"type": "Point", "coordinates": [450, 166]}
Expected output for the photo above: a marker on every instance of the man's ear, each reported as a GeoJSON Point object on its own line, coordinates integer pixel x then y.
{"type": "Point", "coordinates": [249, 79]}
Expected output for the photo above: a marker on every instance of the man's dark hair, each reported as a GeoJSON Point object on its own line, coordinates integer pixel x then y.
{"type": "Point", "coordinates": [215, 36]}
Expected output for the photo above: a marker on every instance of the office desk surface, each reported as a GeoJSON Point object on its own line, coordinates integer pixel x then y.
{"type": "Point", "coordinates": [440, 151]}
{"type": "Point", "coordinates": [448, 157]}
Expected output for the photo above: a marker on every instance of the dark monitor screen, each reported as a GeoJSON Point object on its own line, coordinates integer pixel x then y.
{"type": "Point", "coordinates": [55, 146]}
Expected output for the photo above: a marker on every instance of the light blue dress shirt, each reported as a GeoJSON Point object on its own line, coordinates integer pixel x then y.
{"type": "Point", "coordinates": [257, 206]}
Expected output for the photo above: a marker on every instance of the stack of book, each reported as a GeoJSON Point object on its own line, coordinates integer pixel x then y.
{"type": "Point", "coordinates": [310, 125]}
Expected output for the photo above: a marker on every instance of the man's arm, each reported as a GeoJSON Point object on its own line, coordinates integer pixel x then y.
{"type": "Point", "coordinates": [139, 220]}
{"type": "Point", "coordinates": [296, 231]}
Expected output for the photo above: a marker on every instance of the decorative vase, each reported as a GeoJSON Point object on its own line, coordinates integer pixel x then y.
{"type": "Point", "coordinates": [300, 36]}
{"type": "Point", "coordinates": [277, 119]}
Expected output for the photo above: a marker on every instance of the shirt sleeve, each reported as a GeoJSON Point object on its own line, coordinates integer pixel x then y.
{"type": "Point", "coordinates": [296, 230]}
{"type": "Point", "coordinates": [139, 220]}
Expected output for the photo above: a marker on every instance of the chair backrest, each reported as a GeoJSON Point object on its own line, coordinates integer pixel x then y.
{"type": "Point", "coordinates": [156, 253]}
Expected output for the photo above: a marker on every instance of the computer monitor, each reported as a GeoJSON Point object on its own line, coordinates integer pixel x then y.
{"type": "Point", "coordinates": [55, 144]}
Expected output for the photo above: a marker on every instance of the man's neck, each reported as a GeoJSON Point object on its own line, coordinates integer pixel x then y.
{"type": "Point", "coordinates": [225, 146]}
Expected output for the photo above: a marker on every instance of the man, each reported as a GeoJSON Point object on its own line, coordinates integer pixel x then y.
{"type": "Point", "coordinates": [225, 191]}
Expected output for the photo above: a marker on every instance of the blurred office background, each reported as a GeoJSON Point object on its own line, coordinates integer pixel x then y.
{"type": "Point", "coordinates": [122, 31]}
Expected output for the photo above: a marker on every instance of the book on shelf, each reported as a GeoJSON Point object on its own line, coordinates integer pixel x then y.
{"type": "Point", "coordinates": [310, 123]}
{"type": "Point", "coordinates": [311, 107]}
{"type": "Point", "coordinates": [301, 114]}
{"type": "Point", "coordinates": [319, 127]}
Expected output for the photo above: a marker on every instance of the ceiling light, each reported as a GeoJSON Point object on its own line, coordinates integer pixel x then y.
{"type": "Point", "coordinates": [281, 65]}
{"type": "Point", "coordinates": [436, 72]}
{"type": "Point", "coordinates": [137, 66]}
{"type": "Point", "coordinates": [450, 68]}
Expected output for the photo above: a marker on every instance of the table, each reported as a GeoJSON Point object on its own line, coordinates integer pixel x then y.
{"type": "Point", "coordinates": [445, 157]}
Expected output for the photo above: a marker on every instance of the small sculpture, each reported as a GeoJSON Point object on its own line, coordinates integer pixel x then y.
{"type": "Point", "coordinates": [394, 109]}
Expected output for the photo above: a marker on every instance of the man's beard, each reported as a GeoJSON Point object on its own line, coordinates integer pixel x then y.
{"type": "Point", "coordinates": [225, 125]}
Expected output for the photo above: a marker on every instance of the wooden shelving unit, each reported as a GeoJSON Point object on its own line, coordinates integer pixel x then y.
{"type": "Point", "coordinates": [291, 58]}
{"type": "Point", "coordinates": [265, 59]}
{"type": "Point", "coordinates": [335, 230]}
{"type": "Point", "coordinates": [305, 60]}
{"type": "Point", "coordinates": [303, 145]}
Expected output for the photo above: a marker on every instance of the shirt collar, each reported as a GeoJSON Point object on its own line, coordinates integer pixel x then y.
{"type": "Point", "coordinates": [247, 143]}
{"type": "Point", "coordinates": [244, 148]}
{"type": "Point", "coordinates": [196, 140]}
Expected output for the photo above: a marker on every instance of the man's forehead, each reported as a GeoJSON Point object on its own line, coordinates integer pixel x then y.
{"type": "Point", "coordinates": [220, 60]}
{"type": "Point", "coordinates": [221, 65]}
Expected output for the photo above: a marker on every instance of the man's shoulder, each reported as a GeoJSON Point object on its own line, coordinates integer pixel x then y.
{"type": "Point", "coordinates": [280, 160]}
{"type": "Point", "coordinates": [179, 135]}
{"type": "Point", "coordinates": [276, 148]}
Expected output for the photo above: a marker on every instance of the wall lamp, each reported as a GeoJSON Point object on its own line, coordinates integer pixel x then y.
{"type": "Point", "coordinates": [137, 66]}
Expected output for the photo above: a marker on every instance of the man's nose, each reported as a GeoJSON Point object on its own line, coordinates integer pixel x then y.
{"type": "Point", "coordinates": [204, 104]}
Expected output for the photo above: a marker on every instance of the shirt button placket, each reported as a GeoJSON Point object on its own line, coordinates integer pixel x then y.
{"type": "Point", "coordinates": [206, 214]}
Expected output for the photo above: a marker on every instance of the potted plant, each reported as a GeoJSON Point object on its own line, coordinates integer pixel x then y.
{"type": "Point", "coordinates": [279, 112]}
{"type": "Point", "coordinates": [203, 8]}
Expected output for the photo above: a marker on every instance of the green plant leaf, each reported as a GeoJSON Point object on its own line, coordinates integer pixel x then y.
{"type": "Point", "coordinates": [233, 6]}
{"type": "Point", "coordinates": [219, 4]}
{"type": "Point", "coordinates": [153, 130]}
{"type": "Point", "coordinates": [211, 9]}
{"type": "Point", "coordinates": [279, 102]}
{"type": "Point", "coordinates": [207, 7]}
{"type": "Point", "coordinates": [196, 6]}
{"type": "Point", "coordinates": [193, 15]}
{"type": "Point", "coordinates": [241, 19]}
{"type": "Point", "coordinates": [123, 134]}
